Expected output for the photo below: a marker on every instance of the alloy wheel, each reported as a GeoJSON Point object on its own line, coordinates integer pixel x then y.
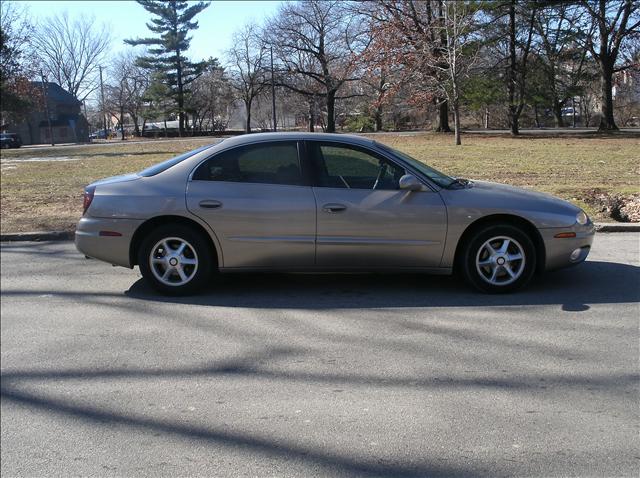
{"type": "Point", "coordinates": [173, 261]}
{"type": "Point", "coordinates": [500, 261]}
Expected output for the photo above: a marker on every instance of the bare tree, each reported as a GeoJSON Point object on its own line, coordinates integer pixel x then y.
{"type": "Point", "coordinates": [314, 42]}
{"type": "Point", "coordinates": [460, 52]}
{"type": "Point", "coordinates": [210, 98]}
{"type": "Point", "coordinates": [248, 58]}
{"type": "Point", "coordinates": [409, 34]}
{"type": "Point", "coordinates": [615, 22]}
{"type": "Point", "coordinates": [127, 85]}
{"type": "Point", "coordinates": [71, 51]}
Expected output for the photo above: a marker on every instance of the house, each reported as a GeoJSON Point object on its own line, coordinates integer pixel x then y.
{"type": "Point", "coordinates": [626, 85]}
{"type": "Point", "coordinates": [67, 123]}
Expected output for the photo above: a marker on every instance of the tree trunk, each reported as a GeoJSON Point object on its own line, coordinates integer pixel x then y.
{"type": "Point", "coordinates": [121, 123]}
{"type": "Point", "coordinates": [511, 77]}
{"type": "Point", "coordinates": [557, 112]}
{"type": "Point", "coordinates": [331, 111]}
{"type": "Point", "coordinates": [180, 116]}
{"type": "Point", "coordinates": [537, 118]}
{"type": "Point", "coordinates": [456, 122]}
{"type": "Point", "coordinates": [378, 118]}
{"type": "Point", "coordinates": [180, 94]}
{"type": "Point", "coordinates": [486, 118]}
{"type": "Point", "coordinates": [514, 123]}
{"type": "Point", "coordinates": [312, 115]}
{"type": "Point", "coordinates": [136, 126]}
{"type": "Point", "coordinates": [443, 117]}
{"type": "Point", "coordinates": [247, 105]}
{"type": "Point", "coordinates": [607, 122]}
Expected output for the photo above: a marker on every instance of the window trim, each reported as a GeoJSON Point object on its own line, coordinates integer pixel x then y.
{"type": "Point", "coordinates": [304, 173]}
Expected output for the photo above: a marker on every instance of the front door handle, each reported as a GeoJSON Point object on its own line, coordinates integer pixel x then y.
{"type": "Point", "coordinates": [331, 208]}
{"type": "Point", "coordinates": [210, 204]}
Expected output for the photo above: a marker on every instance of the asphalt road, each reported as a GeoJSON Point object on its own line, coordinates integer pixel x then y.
{"type": "Point", "coordinates": [327, 375]}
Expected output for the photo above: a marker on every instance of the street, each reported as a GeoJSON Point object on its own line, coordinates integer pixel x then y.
{"type": "Point", "coordinates": [318, 375]}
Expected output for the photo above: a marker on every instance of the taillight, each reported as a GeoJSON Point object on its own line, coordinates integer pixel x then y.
{"type": "Point", "coordinates": [88, 197]}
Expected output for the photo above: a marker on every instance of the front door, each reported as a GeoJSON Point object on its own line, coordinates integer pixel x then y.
{"type": "Point", "coordinates": [258, 204]}
{"type": "Point", "coordinates": [365, 221]}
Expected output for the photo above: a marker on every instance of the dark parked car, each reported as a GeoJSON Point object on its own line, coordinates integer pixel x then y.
{"type": "Point", "coordinates": [10, 140]}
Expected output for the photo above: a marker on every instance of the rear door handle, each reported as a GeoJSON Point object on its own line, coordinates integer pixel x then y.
{"type": "Point", "coordinates": [331, 208]}
{"type": "Point", "coordinates": [210, 204]}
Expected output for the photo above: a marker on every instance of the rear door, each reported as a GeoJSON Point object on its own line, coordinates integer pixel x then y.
{"type": "Point", "coordinates": [365, 221]}
{"type": "Point", "coordinates": [259, 204]}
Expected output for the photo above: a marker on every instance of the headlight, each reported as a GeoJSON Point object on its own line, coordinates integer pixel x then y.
{"type": "Point", "coordinates": [582, 218]}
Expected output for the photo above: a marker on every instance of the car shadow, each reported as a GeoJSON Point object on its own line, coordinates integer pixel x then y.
{"type": "Point", "coordinates": [573, 289]}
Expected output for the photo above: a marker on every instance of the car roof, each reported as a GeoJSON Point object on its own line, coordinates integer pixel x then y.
{"type": "Point", "coordinates": [295, 136]}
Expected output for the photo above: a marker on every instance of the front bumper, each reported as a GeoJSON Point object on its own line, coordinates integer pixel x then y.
{"type": "Point", "coordinates": [111, 249]}
{"type": "Point", "coordinates": [558, 250]}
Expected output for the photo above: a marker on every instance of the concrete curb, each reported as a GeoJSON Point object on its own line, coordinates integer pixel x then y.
{"type": "Point", "coordinates": [618, 227]}
{"type": "Point", "coordinates": [38, 236]}
{"type": "Point", "coordinates": [69, 235]}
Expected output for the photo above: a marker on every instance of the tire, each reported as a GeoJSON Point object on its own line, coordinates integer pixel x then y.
{"type": "Point", "coordinates": [502, 270]}
{"type": "Point", "coordinates": [185, 269]}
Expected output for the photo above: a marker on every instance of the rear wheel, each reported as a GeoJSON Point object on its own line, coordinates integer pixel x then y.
{"type": "Point", "coordinates": [498, 258]}
{"type": "Point", "coordinates": [175, 260]}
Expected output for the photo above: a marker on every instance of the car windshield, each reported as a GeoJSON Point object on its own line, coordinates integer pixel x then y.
{"type": "Point", "coordinates": [436, 176]}
{"type": "Point", "coordinates": [169, 163]}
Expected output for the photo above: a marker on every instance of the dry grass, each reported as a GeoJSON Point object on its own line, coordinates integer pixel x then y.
{"type": "Point", "coordinates": [43, 195]}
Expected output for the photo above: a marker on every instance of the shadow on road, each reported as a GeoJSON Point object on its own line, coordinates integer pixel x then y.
{"type": "Point", "coordinates": [573, 290]}
{"type": "Point", "coordinates": [18, 387]}
{"type": "Point", "coordinates": [588, 283]}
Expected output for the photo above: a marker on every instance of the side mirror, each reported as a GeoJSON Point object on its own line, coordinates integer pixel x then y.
{"type": "Point", "coordinates": [410, 183]}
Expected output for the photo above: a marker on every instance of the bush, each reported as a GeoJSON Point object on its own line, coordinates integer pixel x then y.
{"type": "Point", "coordinates": [360, 124]}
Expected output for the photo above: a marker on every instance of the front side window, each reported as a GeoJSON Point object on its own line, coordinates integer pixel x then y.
{"type": "Point", "coordinates": [267, 163]}
{"type": "Point", "coordinates": [343, 166]}
{"type": "Point", "coordinates": [436, 176]}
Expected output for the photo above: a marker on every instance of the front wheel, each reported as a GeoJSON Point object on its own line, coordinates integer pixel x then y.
{"type": "Point", "coordinates": [498, 259]}
{"type": "Point", "coordinates": [175, 260]}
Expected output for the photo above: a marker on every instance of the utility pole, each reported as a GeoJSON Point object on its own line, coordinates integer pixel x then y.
{"type": "Point", "coordinates": [84, 105]}
{"type": "Point", "coordinates": [46, 106]}
{"type": "Point", "coordinates": [273, 93]}
{"type": "Point", "coordinates": [104, 115]}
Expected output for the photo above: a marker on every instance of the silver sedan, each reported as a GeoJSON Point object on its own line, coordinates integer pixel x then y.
{"type": "Point", "coordinates": [301, 202]}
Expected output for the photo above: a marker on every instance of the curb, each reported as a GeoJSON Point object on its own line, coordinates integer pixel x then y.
{"type": "Point", "coordinates": [38, 236]}
{"type": "Point", "coordinates": [69, 235]}
{"type": "Point", "coordinates": [618, 227]}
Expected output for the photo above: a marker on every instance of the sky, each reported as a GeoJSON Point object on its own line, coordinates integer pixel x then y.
{"type": "Point", "coordinates": [127, 19]}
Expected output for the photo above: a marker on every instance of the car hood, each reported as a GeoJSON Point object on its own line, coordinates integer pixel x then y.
{"type": "Point", "coordinates": [512, 192]}
{"type": "Point", "coordinates": [482, 198]}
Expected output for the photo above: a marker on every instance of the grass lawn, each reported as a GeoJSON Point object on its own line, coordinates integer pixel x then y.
{"type": "Point", "coordinates": [45, 191]}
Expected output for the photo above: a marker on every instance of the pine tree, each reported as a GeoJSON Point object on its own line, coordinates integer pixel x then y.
{"type": "Point", "coordinates": [172, 22]}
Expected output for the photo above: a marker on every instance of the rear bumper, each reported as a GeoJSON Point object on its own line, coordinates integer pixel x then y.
{"type": "Point", "coordinates": [111, 249]}
{"type": "Point", "coordinates": [558, 250]}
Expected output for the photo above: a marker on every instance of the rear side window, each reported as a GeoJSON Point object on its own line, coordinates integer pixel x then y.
{"type": "Point", "coordinates": [169, 163]}
{"type": "Point", "coordinates": [266, 163]}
